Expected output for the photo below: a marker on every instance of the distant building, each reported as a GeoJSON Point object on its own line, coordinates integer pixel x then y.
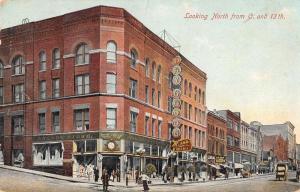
{"type": "Point", "coordinates": [286, 130]}
{"type": "Point", "coordinates": [233, 137]}
{"type": "Point", "coordinates": [298, 155]}
{"type": "Point", "coordinates": [217, 133]}
{"type": "Point", "coordinates": [248, 144]}
{"type": "Point", "coordinates": [259, 140]}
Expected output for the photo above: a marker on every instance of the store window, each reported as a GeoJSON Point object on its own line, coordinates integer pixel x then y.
{"type": "Point", "coordinates": [48, 154]}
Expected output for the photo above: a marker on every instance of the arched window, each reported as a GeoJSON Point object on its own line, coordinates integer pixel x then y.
{"type": "Point", "coordinates": [42, 58]}
{"type": "Point", "coordinates": [134, 56]}
{"type": "Point", "coordinates": [185, 86]}
{"type": "Point", "coordinates": [203, 97]}
{"type": "Point", "coordinates": [111, 54]}
{"type": "Point", "coordinates": [82, 54]}
{"type": "Point", "coordinates": [170, 80]}
{"type": "Point", "coordinates": [196, 92]}
{"type": "Point", "coordinates": [56, 58]}
{"type": "Point", "coordinates": [159, 73]}
{"type": "Point", "coordinates": [1, 69]}
{"type": "Point", "coordinates": [147, 63]}
{"type": "Point", "coordinates": [199, 94]}
{"type": "Point", "coordinates": [153, 71]}
{"type": "Point", "coordinates": [18, 65]}
{"type": "Point", "coordinates": [190, 89]}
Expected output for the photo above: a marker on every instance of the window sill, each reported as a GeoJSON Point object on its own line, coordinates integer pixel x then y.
{"type": "Point", "coordinates": [15, 75]}
{"type": "Point", "coordinates": [111, 62]}
{"type": "Point", "coordinates": [55, 68]}
{"type": "Point", "coordinates": [134, 68]}
{"type": "Point", "coordinates": [42, 70]}
{"type": "Point", "coordinates": [81, 64]}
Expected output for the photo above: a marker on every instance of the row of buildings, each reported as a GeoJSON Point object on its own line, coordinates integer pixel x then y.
{"type": "Point", "coordinates": [94, 87]}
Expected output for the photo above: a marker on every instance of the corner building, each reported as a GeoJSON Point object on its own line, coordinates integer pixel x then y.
{"type": "Point", "coordinates": [91, 88]}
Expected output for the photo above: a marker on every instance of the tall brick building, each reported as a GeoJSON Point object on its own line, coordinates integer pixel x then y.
{"type": "Point", "coordinates": [91, 88]}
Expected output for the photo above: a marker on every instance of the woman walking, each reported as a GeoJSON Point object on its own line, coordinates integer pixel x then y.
{"type": "Point", "coordinates": [145, 179]}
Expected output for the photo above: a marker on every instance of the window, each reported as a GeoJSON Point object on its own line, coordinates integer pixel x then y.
{"type": "Point", "coordinates": [190, 89]}
{"type": "Point", "coordinates": [158, 99]}
{"type": "Point", "coordinates": [81, 119]}
{"type": "Point", "coordinates": [18, 124]}
{"type": "Point", "coordinates": [133, 88]}
{"type": "Point", "coordinates": [159, 74]}
{"type": "Point", "coordinates": [153, 127]}
{"type": "Point", "coordinates": [146, 125]}
{"type": "Point", "coordinates": [82, 84]}
{"type": "Point", "coordinates": [190, 111]}
{"type": "Point", "coordinates": [169, 131]}
{"type": "Point", "coordinates": [195, 97]}
{"type": "Point", "coordinates": [159, 128]}
{"type": "Point", "coordinates": [18, 93]}
{"type": "Point", "coordinates": [147, 94]}
{"type": "Point", "coordinates": [133, 121]}
{"type": "Point", "coordinates": [82, 54]}
{"type": "Point", "coordinates": [1, 69]}
{"type": "Point", "coordinates": [199, 95]}
{"type": "Point", "coordinates": [18, 66]}
{"type": "Point", "coordinates": [195, 114]}
{"type": "Point", "coordinates": [55, 88]}
{"type": "Point", "coordinates": [55, 122]}
{"type": "Point", "coordinates": [147, 73]}
{"type": "Point", "coordinates": [1, 95]}
{"type": "Point", "coordinates": [42, 87]}
{"type": "Point", "coordinates": [111, 116]}
{"type": "Point", "coordinates": [111, 54]}
{"type": "Point", "coordinates": [42, 58]}
{"type": "Point", "coordinates": [153, 97]}
{"type": "Point", "coordinates": [190, 132]}
{"type": "Point", "coordinates": [170, 80]}
{"type": "Point", "coordinates": [153, 71]}
{"type": "Point", "coordinates": [203, 97]}
{"type": "Point", "coordinates": [186, 131]}
{"type": "Point", "coordinates": [170, 100]}
{"type": "Point", "coordinates": [56, 59]}
{"type": "Point", "coordinates": [185, 110]}
{"type": "Point", "coordinates": [110, 83]}
{"type": "Point", "coordinates": [133, 55]}
{"type": "Point", "coordinates": [185, 87]}
{"type": "Point", "coordinates": [1, 125]}
{"type": "Point", "coordinates": [42, 122]}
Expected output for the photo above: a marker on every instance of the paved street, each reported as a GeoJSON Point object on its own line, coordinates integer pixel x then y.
{"type": "Point", "coordinates": [13, 181]}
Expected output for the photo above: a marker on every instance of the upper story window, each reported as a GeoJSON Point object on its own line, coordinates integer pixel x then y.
{"type": "Point", "coordinates": [199, 95]}
{"type": "Point", "coordinates": [203, 97]}
{"type": "Point", "coordinates": [159, 128]}
{"type": "Point", "coordinates": [55, 88]}
{"type": "Point", "coordinates": [185, 86]}
{"type": "Point", "coordinates": [81, 119]}
{"type": "Point", "coordinates": [18, 124]}
{"type": "Point", "coordinates": [82, 84]}
{"type": "Point", "coordinates": [1, 125]}
{"type": "Point", "coordinates": [153, 68]}
{"type": "Point", "coordinates": [159, 74]}
{"type": "Point", "coordinates": [158, 99]}
{"type": "Point", "coordinates": [190, 89]}
{"type": "Point", "coordinates": [18, 65]}
{"type": "Point", "coordinates": [55, 121]}
{"type": "Point", "coordinates": [133, 121]}
{"type": "Point", "coordinates": [1, 95]}
{"type": "Point", "coordinates": [147, 63]}
{"type": "Point", "coordinates": [56, 58]}
{"type": "Point", "coordinates": [196, 93]}
{"type": "Point", "coordinates": [42, 91]}
{"type": "Point", "coordinates": [111, 54]}
{"type": "Point", "coordinates": [18, 93]}
{"type": "Point", "coordinates": [110, 83]}
{"type": "Point", "coordinates": [1, 69]}
{"type": "Point", "coordinates": [133, 88]}
{"type": "Point", "coordinates": [153, 97]}
{"type": "Point", "coordinates": [42, 59]}
{"type": "Point", "coordinates": [111, 118]}
{"type": "Point", "coordinates": [133, 55]}
{"type": "Point", "coordinates": [147, 94]}
{"type": "Point", "coordinates": [170, 80]}
{"type": "Point", "coordinates": [82, 54]}
{"type": "Point", "coordinates": [42, 122]}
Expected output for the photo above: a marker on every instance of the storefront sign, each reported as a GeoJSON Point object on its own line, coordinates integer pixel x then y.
{"type": "Point", "coordinates": [182, 145]}
{"type": "Point", "coordinates": [72, 136]}
{"type": "Point", "coordinates": [220, 159]}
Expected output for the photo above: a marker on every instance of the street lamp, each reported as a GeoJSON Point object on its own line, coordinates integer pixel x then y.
{"type": "Point", "coordinates": [140, 152]}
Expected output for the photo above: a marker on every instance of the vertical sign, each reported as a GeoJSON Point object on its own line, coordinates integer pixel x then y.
{"type": "Point", "coordinates": [176, 103]}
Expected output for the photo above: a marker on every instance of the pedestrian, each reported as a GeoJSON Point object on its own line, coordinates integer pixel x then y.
{"type": "Point", "coordinates": [89, 171]}
{"type": "Point", "coordinates": [137, 175]}
{"type": "Point", "coordinates": [96, 173]}
{"type": "Point", "coordinates": [81, 170]}
{"type": "Point", "coordinates": [182, 175]}
{"type": "Point", "coordinates": [113, 175]}
{"type": "Point", "coordinates": [105, 179]}
{"type": "Point", "coordinates": [226, 173]}
{"type": "Point", "coordinates": [118, 175]}
{"type": "Point", "coordinates": [145, 180]}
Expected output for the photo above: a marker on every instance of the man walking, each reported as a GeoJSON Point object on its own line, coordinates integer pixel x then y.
{"type": "Point", "coordinates": [105, 179]}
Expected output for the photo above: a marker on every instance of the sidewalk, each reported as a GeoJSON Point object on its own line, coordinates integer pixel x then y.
{"type": "Point", "coordinates": [131, 183]}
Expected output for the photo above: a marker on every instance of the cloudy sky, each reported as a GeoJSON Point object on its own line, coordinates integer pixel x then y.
{"type": "Point", "coordinates": [252, 66]}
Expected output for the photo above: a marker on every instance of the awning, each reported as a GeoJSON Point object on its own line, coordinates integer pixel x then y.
{"type": "Point", "coordinates": [238, 166]}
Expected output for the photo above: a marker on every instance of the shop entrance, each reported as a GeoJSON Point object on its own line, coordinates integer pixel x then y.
{"type": "Point", "coordinates": [111, 163]}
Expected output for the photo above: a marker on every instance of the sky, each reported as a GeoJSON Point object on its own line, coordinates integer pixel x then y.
{"type": "Point", "coordinates": [252, 65]}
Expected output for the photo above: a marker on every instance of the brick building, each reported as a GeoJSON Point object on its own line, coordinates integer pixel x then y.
{"type": "Point", "coordinates": [233, 120]}
{"type": "Point", "coordinates": [91, 88]}
{"type": "Point", "coordinates": [217, 133]}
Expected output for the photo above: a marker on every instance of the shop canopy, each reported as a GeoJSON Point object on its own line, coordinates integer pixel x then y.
{"type": "Point", "coordinates": [238, 166]}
